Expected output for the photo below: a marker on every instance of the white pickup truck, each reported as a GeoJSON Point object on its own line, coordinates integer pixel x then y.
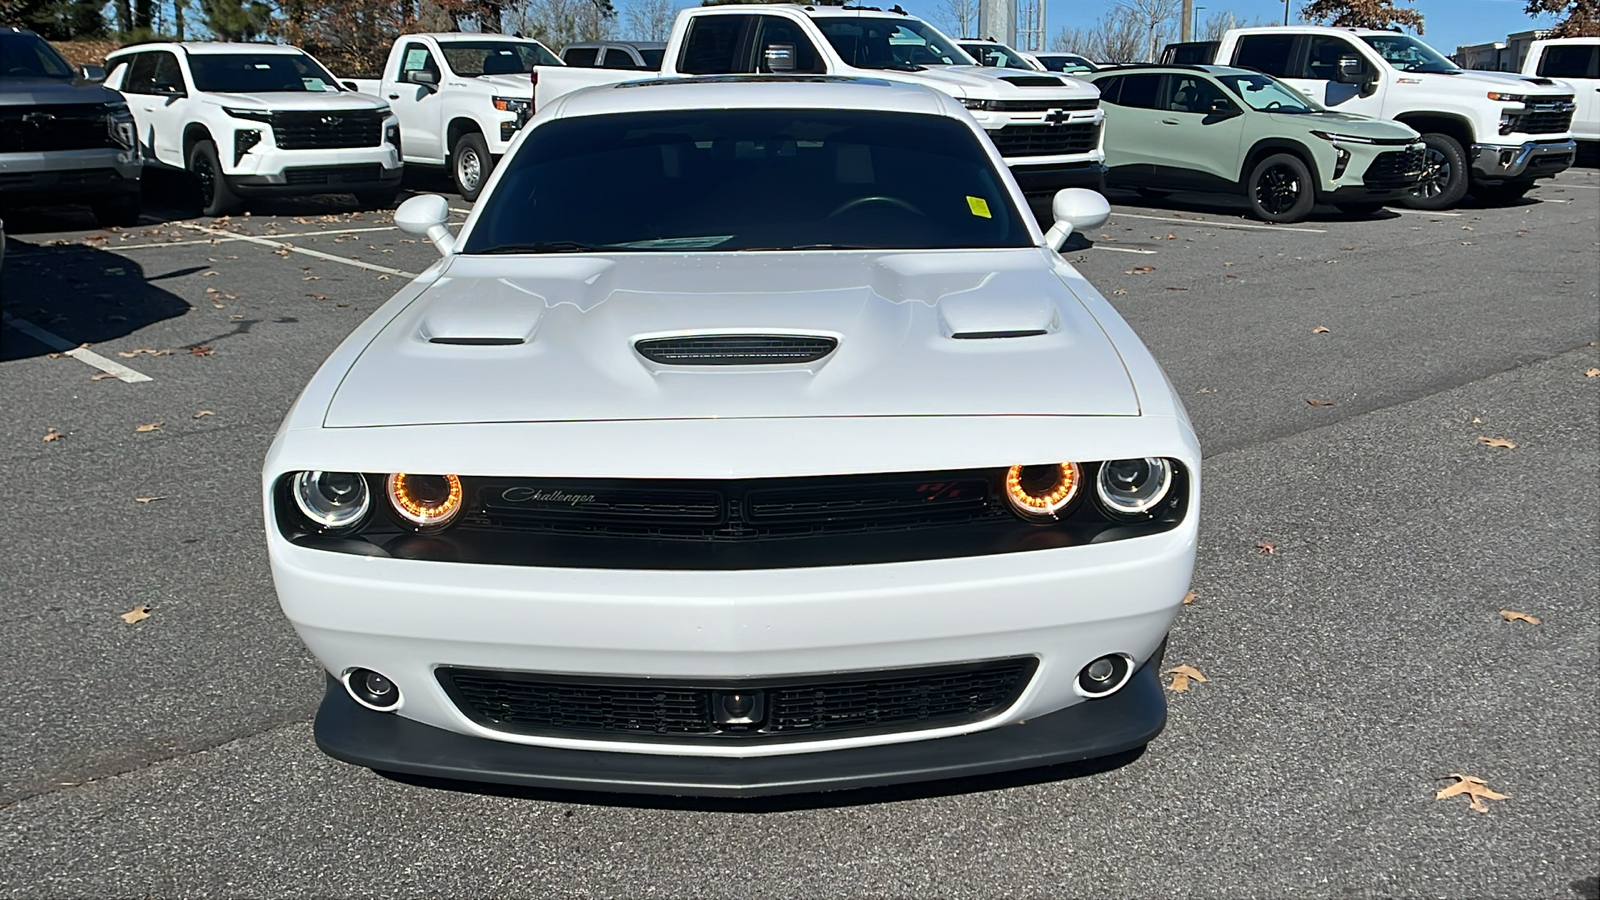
{"type": "Point", "coordinates": [1490, 132]}
{"type": "Point", "coordinates": [1046, 126]}
{"type": "Point", "coordinates": [1575, 61]}
{"type": "Point", "coordinates": [460, 98]}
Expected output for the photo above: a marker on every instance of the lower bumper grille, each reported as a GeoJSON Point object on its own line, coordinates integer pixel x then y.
{"type": "Point", "coordinates": [311, 175]}
{"type": "Point", "coordinates": [1545, 123]}
{"type": "Point", "coordinates": [1046, 140]}
{"type": "Point", "coordinates": [694, 711]}
{"type": "Point", "coordinates": [1396, 169]}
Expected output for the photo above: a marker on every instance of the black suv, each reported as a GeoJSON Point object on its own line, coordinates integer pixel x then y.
{"type": "Point", "coordinates": [63, 137]}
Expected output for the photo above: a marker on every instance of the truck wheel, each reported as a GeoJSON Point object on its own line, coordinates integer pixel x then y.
{"type": "Point", "coordinates": [1505, 192]}
{"type": "Point", "coordinates": [216, 198]}
{"type": "Point", "coordinates": [470, 164]}
{"type": "Point", "coordinates": [1280, 189]}
{"type": "Point", "coordinates": [1444, 175]}
{"type": "Point", "coordinates": [121, 210]}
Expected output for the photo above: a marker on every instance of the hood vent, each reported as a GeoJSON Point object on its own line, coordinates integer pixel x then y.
{"type": "Point", "coordinates": [736, 349]}
{"type": "Point", "coordinates": [992, 335]}
{"type": "Point", "coordinates": [1035, 81]}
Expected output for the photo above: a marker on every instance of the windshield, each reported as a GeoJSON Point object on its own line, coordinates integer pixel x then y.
{"type": "Point", "coordinates": [28, 56]}
{"type": "Point", "coordinates": [1267, 94]}
{"type": "Point", "coordinates": [997, 56]}
{"type": "Point", "coordinates": [469, 59]}
{"type": "Point", "coordinates": [1065, 63]}
{"type": "Point", "coordinates": [1408, 54]}
{"type": "Point", "coordinates": [881, 43]}
{"type": "Point", "coordinates": [748, 179]}
{"type": "Point", "coordinates": [259, 73]}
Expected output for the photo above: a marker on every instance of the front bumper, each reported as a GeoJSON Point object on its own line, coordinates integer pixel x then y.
{"type": "Point", "coordinates": [1126, 720]}
{"type": "Point", "coordinates": [1047, 179]}
{"type": "Point", "coordinates": [1534, 159]}
{"type": "Point", "coordinates": [319, 180]}
{"type": "Point", "coordinates": [62, 174]}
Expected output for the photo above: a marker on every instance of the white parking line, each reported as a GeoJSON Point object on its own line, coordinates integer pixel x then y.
{"type": "Point", "coordinates": [1422, 212]}
{"type": "Point", "coordinates": [1124, 250]}
{"type": "Point", "coordinates": [62, 345]}
{"type": "Point", "coordinates": [1205, 224]}
{"type": "Point", "coordinates": [1581, 187]}
{"type": "Point", "coordinates": [279, 245]}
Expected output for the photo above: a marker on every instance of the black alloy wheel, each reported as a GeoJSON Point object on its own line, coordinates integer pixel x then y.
{"type": "Point", "coordinates": [216, 199]}
{"type": "Point", "coordinates": [1281, 190]}
{"type": "Point", "coordinates": [1444, 175]}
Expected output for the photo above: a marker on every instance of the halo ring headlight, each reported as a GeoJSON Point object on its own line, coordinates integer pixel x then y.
{"type": "Point", "coordinates": [1042, 492]}
{"type": "Point", "coordinates": [1130, 487]}
{"type": "Point", "coordinates": [331, 501]}
{"type": "Point", "coordinates": [425, 501]}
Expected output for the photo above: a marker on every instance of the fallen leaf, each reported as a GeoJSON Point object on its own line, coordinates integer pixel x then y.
{"type": "Point", "coordinates": [142, 351]}
{"type": "Point", "coordinates": [149, 427]}
{"type": "Point", "coordinates": [137, 614]}
{"type": "Point", "coordinates": [208, 274]}
{"type": "Point", "coordinates": [1230, 276]}
{"type": "Point", "coordinates": [1317, 401]}
{"type": "Point", "coordinates": [101, 376]}
{"type": "Point", "coordinates": [1266, 547]}
{"type": "Point", "coordinates": [1591, 372]}
{"type": "Point", "coordinates": [1139, 270]}
{"type": "Point", "coordinates": [53, 435]}
{"type": "Point", "coordinates": [318, 296]}
{"type": "Point", "coordinates": [1206, 390]}
{"type": "Point", "coordinates": [1190, 597]}
{"type": "Point", "coordinates": [1511, 615]}
{"type": "Point", "coordinates": [148, 499]}
{"type": "Point", "coordinates": [1321, 329]}
{"type": "Point", "coordinates": [1476, 789]}
{"type": "Point", "coordinates": [1177, 288]}
{"type": "Point", "coordinates": [1119, 292]}
{"type": "Point", "coordinates": [1497, 442]}
{"type": "Point", "coordinates": [202, 350]}
{"type": "Point", "coordinates": [54, 355]}
{"type": "Point", "coordinates": [1352, 247]}
{"type": "Point", "coordinates": [203, 413]}
{"type": "Point", "coordinates": [1171, 237]}
{"type": "Point", "coordinates": [1181, 676]}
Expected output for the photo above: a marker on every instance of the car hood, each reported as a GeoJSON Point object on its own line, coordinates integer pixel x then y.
{"type": "Point", "coordinates": [509, 85]}
{"type": "Point", "coordinates": [53, 92]}
{"type": "Point", "coordinates": [988, 82]}
{"type": "Point", "coordinates": [1347, 123]}
{"type": "Point", "coordinates": [551, 338]}
{"type": "Point", "coordinates": [299, 101]}
{"type": "Point", "coordinates": [1472, 81]}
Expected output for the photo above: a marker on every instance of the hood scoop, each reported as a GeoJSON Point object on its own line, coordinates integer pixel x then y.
{"type": "Point", "coordinates": [1034, 81]}
{"type": "Point", "coordinates": [736, 349]}
{"type": "Point", "coordinates": [498, 314]}
{"type": "Point", "coordinates": [976, 317]}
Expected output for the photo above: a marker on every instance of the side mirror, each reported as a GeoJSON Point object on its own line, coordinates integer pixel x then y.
{"type": "Point", "coordinates": [92, 73]}
{"type": "Point", "coordinates": [1351, 70]}
{"type": "Point", "coordinates": [425, 215]}
{"type": "Point", "coordinates": [427, 79]}
{"type": "Point", "coordinates": [1074, 209]}
{"type": "Point", "coordinates": [350, 85]}
{"type": "Point", "coordinates": [168, 89]}
{"type": "Point", "coordinates": [778, 57]}
{"type": "Point", "coordinates": [1221, 110]}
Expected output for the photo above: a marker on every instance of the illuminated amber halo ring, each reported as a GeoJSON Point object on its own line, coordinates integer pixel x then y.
{"type": "Point", "coordinates": [419, 512]}
{"type": "Point", "coordinates": [1045, 505]}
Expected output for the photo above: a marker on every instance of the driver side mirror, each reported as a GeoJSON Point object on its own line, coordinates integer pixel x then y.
{"type": "Point", "coordinates": [92, 73]}
{"type": "Point", "coordinates": [168, 89]}
{"type": "Point", "coordinates": [1221, 109]}
{"type": "Point", "coordinates": [425, 78]}
{"type": "Point", "coordinates": [1351, 70]}
{"type": "Point", "coordinates": [778, 58]}
{"type": "Point", "coordinates": [1074, 209]}
{"type": "Point", "coordinates": [425, 215]}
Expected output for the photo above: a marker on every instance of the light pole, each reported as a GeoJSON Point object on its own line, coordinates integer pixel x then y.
{"type": "Point", "coordinates": [1286, 11]}
{"type": "Point", "coordinates": [1195, 29]}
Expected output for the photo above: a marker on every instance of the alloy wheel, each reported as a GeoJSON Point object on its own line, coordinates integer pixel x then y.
{"type": "Point", "coordinates": [207, 176]}
{"type": "Point", "coordinates": [1278, 190]}
{"type": "Point", "coordinates": [1435, 175]}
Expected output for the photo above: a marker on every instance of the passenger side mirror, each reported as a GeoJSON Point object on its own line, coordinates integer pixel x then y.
{"type": "Point", "coordinates": [92, 73]}
{"type": "Point", "coordinates": [425, 215]}
{"type": "Point", "coordinates": [168, 89]}
{"type": "Point", "coordinates": [1074, 209]}
{"type": "Point", "coordinates": [350, 85]}
{"type": "Point", "coordinates": [778, 58]}
{"type": "Point", "coordinates": [427, 79]}
{"type": "Point", "coordinates": [1351, 70]}
{"type": "Point", "coordinates": [1221, 109]}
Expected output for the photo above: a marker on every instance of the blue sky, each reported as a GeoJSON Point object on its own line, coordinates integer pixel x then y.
{"type": "Point", "coordinates": [1450, 23]}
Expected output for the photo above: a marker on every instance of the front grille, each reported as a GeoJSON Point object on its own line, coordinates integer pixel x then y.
{"type": "Point", "coordinates": [327, 130]}
{"type": "Point", "coordinates": [45, 128]}
{"type": "Point", "coordinates": [365, 173]}
{"type": "Point", "coordinates": [1551, 122]}
{"type": "Point", "coordinates": [786, 709]}
{"type": "Point", "coordinates": [736, 349]}
{"type": "Point", "coordinates": [1046, 140]}
{"type": "Point", "coordinates": [1039, 105]}
{"type": "Point", "coordinates": [1395, 169]}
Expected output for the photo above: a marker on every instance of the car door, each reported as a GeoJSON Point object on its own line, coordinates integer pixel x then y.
{"type": "Point", "coordinates": [418, 106]}
{"type": "Point", "coordinates": [1134, 133]}
{"type": "Point", "coordinates": [1200, 132]}
{"type": "Point", "coordinates": [156, 92]}
{"type": "Point", "coordinates": [1315, 73]}
{"type": "Point", "coordinates": [1579, 66]}
{"type": "Point", "coordinates": [138, 88]}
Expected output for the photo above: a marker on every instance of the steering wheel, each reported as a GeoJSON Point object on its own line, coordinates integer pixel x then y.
{"type": "Point", "coordinates": [876, 198]}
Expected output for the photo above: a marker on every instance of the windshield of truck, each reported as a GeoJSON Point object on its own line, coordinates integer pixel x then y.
{"type": "Point", "coordinates": [1408, 54]}
{"type": "Point", "coordinates": [748, 179]}
{"type": "Point", "coordinates": [259, 73]}
{"type": "Point", "coordinates": [469, 59]}
{"type": "Point", "coordinates": [28, 56]}
{"type": "Point", "coordinates": [880, 43]}
{"type": "Point", "coordinates": [1267, 94]}
{"type": "Point", "coordinates": [997, 56]}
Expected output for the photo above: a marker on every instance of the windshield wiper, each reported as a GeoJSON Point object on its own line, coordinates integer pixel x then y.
{"type": "Point", "coordinates": [542, 247]}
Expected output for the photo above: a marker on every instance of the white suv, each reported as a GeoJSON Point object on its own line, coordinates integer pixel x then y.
{"type": "Point", "coordinates": [254, 119]}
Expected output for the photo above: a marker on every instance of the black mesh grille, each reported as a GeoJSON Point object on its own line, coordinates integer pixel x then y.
{"type": "Point", "coordinates": [324, 130]}
{"type": "Point", "coordinates": [1397, 168]}
{"type": "Point", "coordinates": [736, 349]}
{"type": "Point", "coordinates": [1545, 123]}
{"type": "Point", "coordinates": [27, 128]}
{"type": "Point", "coordinates": [826, 706]}
{"type": "Point", "coordinates": [309, 175]}
{"type": "Point", "coordinates": [1039, 105]}
{"type": "Point", "coordinates": [1046, 140]}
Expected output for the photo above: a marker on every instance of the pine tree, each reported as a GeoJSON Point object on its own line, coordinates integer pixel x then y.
{"type": "Point", "coordinates": [1362, 14]}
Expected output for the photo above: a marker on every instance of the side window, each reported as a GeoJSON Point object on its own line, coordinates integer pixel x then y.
{"type": "Point", "coordinates": [1110, 89]}
{"type": "Point", "coordinates": [1322, 58]}
{"type": "Point", "coordinates": [168, 76]}
{"type": "Point", "coordinates": [617, 58]}
{"type": "Point", "coordinates": [141, 77]}
{"type": "Point", "coordinates": [1191, 94]}
{"type": "Point", "coordinates": [1141, 92]}
{"type": "Point", "coordinates": [1269, 54]}
{"type": "Point", "coordinates": [1570, 61]}
{"type": "Point", "coordinates": [417, 59]}
{"type": "Point", "coordinates": [580, 56]}
{"type": "Point", "coordinates": [776, 30]}
{"type": "Point", "coordinates": [715, 46]}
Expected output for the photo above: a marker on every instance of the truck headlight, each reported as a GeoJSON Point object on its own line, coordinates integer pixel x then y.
{"type": "Point", "coordinates": [512, 104]}
{"type": "Point", "coordinates": [1508, 98]}
{"type": "Point", "coordinates": [974, 104]}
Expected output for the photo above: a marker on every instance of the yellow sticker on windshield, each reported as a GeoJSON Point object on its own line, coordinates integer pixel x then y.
{"type": "Point", "coordinates": [979, 207]}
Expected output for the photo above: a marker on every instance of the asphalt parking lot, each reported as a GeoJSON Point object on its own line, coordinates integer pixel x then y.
{"type": "Point", "coordinates": [1355, 384]}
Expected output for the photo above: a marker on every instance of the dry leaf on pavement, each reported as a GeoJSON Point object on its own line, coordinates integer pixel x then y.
{"type": "Point", "coordinates": [149, 427]}
{"type": "Point", "coordinates": [1476, 789]}
{"type": "Point", "coordinates": [202, 350]}
{"type": "Point", "coordinates": [1190, 597]}
{"type": "Point", "coordinates": [101, 376]}
{"type": "Point", "coordinates": [1511, 615]}
{"type": "Point", "coordinates": [148, 499]}
{"type": "Point", "coordinates": [1139, 270]}
{"type": "Point", "coordinates": [1321, 329]}
{"type": "Point", "coordinates": [1181, 676]}
{"type": "Point", "coordinates": [137, 614]}
{"type": "Point", "coordinates": [1267, 547]}
{"type": "Point", "coordinates": [201, 414]}
{"type": "Point", "coordinates": [1317, 401]}
{"type": "Point", "coordinates": [1498, 442]}
{"type": "Point", "coordinates": [1591, 372]}
{"type": "Point", "coordinates": [53, 435]}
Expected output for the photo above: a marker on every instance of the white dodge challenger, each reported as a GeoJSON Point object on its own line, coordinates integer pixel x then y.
{"type": "Point", "coordinates": [749, 438]}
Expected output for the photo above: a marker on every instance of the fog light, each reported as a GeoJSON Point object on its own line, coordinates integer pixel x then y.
{"type": "Point", "coordinates": [372, 689]}
{"type": "Point", "coordinates": [1105, 676]}
{"type": "Point", "coordinates": [738, 707]}
{"type": "Point", "coordinates": [1341, 161]}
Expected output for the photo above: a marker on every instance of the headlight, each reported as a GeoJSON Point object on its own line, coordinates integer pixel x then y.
{"type": "Point", "coordinates": [1128, 487]}
{"type": "Point", "coordinates": [332, 501]}
{"type": "Point", "coordinates": [1041, 492]}
{"type": "Point", "coordinates": [426, 501]}
{"type": "Point", "coordinates": [120, 126]}
{"type": "Point", "coordinates": [974, 104]}
{"type": "Point", "coordinates": [1508, 98]}
{"type": "Point", "coordinates": [1343, 138]}
{"type": "Point", "coordinates": [254, 115]}
{"type": "Point", "coordinates": [512, 104]}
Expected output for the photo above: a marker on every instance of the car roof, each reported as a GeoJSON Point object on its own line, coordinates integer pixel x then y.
{"type": "Point", "coordinates": [1173, 67]}
{"type": "Point", "coordinates": [777, 92]}
{"type": "Point", "coordinates": [638, 45]}
{"type": "Point", "coordinates": [199, 48]}
{"type": "Point", "coordinates": [447, 36]}
{"type": "Point", "coordinates": [860, 12]}
{"type": "Point", "coordinates": [1320, 29]}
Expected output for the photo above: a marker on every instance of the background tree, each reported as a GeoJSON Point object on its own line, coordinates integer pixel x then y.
{"type": "Point", "coordinates": [648, 20]}
{"type": "Point", "coordinates": [235, 20]}
{"type": "Point", "coordinates": [56, 20]}
{"type": "Point", "coordinates": [1580, 18]}
{"type": "Point", "coordinates": [1156, 16]}
{"type": "Point", "coordinates": [1115, 38]}
{"type": "Point", "coordinates": [1362, 14]}
{"type": "Point", "coordinates": [959, 17]}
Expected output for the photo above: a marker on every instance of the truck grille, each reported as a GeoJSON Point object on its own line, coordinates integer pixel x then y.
{"type": "Point", "coordinates": [783, 709]}
{"type": "Point", "coordinates": [46, 128]}
{"type": "Point", "coordinates": [1039, 105]}
{"type": "Point", "coordinates": [1545, 122]}
{"type": "Point", "coordinates": [327, 130]}
{"type": "Point", "coordinates": [1395, 169]}
{"type": "Point", "coordinates": [364, 173]}
{"type": "Point", "coordinates": [1046, 140]}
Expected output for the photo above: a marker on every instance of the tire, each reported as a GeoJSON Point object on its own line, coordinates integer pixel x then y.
{"type": "Point", "coordinates": [383, 199]}
{"type": "Point", "coordinates": [1360, 209]}
{"type": "Point", "coordinates": [1152, 193]}
{"type": "Point", "coordinates": [1280, 189]}
{"type": "Point", "coordinates": [216, 197]}
{"type": "Point", "coordinates": [1503, 193]}
{"type": "Point", "coordinates": [470, 165]}
{"type": "Point", "coordinates": [1444, 176]}
{"type": "Point", "coordinates": [121, 211]}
